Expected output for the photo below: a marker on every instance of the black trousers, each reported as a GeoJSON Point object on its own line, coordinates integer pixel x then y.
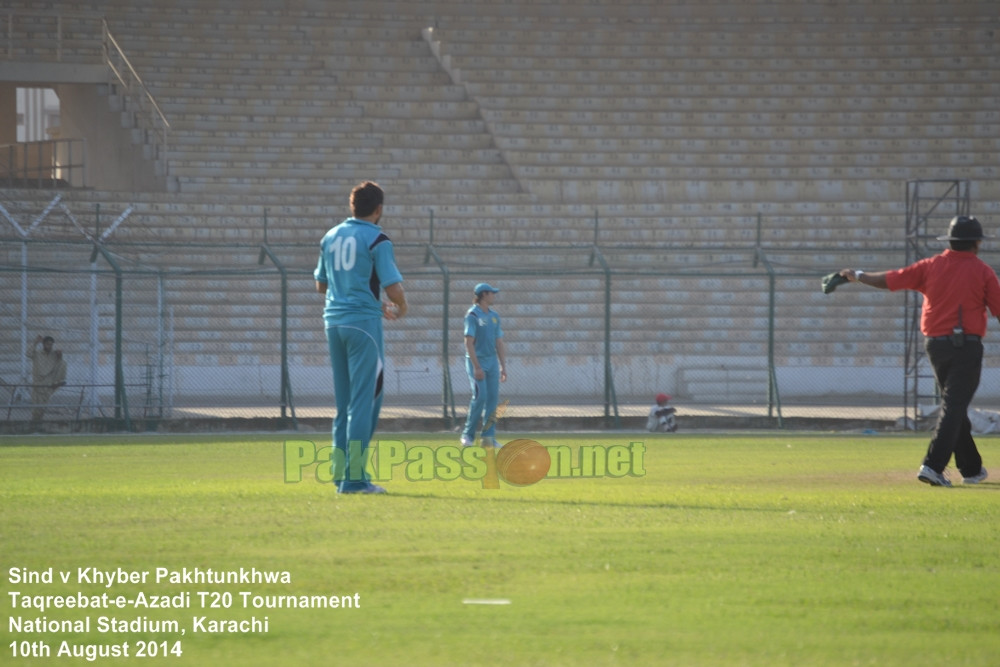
{"type": "Point", "coordinates": [957, 371]}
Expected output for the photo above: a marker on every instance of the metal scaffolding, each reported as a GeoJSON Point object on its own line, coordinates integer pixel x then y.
{"type": "Point", "coordinates": [930, 205]}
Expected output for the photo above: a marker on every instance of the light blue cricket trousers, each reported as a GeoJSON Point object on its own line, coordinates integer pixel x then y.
{"type": "Point", "coordinates": [485, 396]}
{"type": "Point", "coordinates": [357, 357]}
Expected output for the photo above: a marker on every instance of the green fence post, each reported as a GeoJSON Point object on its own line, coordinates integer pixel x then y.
{"type": "Point", "coordinates": [773, 396]}
{"type": "Point", "coordinates": [447, 393]}
{"type": "Point", "coordinates": [610, 397]}
{"type": "Point", "coordinates": [285, 401]}
{"type": "Point", "coordinates": [121, 398]}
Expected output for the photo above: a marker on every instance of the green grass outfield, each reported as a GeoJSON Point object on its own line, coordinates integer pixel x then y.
{"type": "Point", "coordinates": [742, 549]}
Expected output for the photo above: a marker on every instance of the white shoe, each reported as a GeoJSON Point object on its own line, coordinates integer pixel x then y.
{"type": "Point", "coordinates": [932, 477]}
{"type": "Point", "coordinates": [466, 442]}
{"type": "Point", "coordinates": [976, 479]}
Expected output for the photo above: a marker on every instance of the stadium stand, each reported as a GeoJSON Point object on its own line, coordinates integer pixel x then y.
{"type": "Point", "coordinates": [686, 139]}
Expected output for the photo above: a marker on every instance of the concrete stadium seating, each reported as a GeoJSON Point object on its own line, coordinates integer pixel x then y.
{"type": "Point", "coordinates": [673, 128]}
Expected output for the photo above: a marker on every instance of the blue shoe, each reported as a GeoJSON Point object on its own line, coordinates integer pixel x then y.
{"type": "Point", "coordinates": [368, 488]}
{"type": "Point", "coordinates": [930, 476]}
{"type": "Point", "coordinates": [976, 479]}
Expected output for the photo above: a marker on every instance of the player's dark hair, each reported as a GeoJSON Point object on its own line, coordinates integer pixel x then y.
{"type": "Point", "coordinates": [365, 198]}
{"type": "Point", "coordinates": [962, 246]}
{"type": "Point", "coordinates": [48, 339]}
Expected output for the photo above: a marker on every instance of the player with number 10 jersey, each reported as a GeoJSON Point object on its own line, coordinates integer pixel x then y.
{"type": "Point", "coordinates": [356, 261]}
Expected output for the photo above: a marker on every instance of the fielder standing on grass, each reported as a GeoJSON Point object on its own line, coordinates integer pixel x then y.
{"type": "Point", "coordinates": [356, 262]}
{"type": "Point", "coordinates": [958, 288]}
{"type": "Point", "coordinates": [486, 365]}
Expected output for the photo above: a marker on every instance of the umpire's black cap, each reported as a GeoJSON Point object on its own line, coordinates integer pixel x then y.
{"type": "Point", "coordinates": [963, 228]}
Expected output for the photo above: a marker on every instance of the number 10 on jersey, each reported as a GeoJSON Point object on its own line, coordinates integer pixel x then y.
{"type": "Point", "coordinates": [344, 251]}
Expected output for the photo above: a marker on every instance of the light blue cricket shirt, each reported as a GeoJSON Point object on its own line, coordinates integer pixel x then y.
{"type": "Point", "coordinates": [356, 261]}
{"type": "Point", "coordinates": [485, 329]}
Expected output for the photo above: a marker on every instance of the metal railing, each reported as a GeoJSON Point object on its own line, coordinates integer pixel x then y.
{"type": "Point", "coordinates": [48, 43]}
{"type": "Point", "coordinates": [150, 117]}
{"type": "Point", "coordinates": [78, 402]}
{"type": "Point", "coordinates": [54, 163]}
{"type": "Point", "coordinates": [50, 46]}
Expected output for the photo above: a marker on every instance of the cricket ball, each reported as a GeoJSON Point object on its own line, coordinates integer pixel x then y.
{"type": "Point", "coordinates": [523, 462]}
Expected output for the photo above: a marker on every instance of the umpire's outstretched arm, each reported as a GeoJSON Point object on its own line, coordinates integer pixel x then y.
{"type": "Point", "coordinates": [870, 279]}
{"type": "Point", "coordinates": [865, 278]}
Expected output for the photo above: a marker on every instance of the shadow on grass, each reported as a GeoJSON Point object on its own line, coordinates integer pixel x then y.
{"type": "Point", "coordinates": [582, 503]}
{"type": "Point", "coordinates": [985, 486]}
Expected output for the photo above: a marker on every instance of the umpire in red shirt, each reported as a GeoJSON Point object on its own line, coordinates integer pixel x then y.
{"type": "Point", "coordinates": [958, 288]}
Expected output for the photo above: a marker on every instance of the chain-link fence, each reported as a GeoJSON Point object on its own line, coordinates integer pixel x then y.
{"type": "Point", "coordinates": [203, 332]}
{"type": "Point", "coordinates": [144, 331]}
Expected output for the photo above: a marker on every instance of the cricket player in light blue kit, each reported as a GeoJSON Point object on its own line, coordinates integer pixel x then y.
{"type": "Point", "coordinates": [485, 362]}
{"type": "Point", "coordinates": [356, 261]}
